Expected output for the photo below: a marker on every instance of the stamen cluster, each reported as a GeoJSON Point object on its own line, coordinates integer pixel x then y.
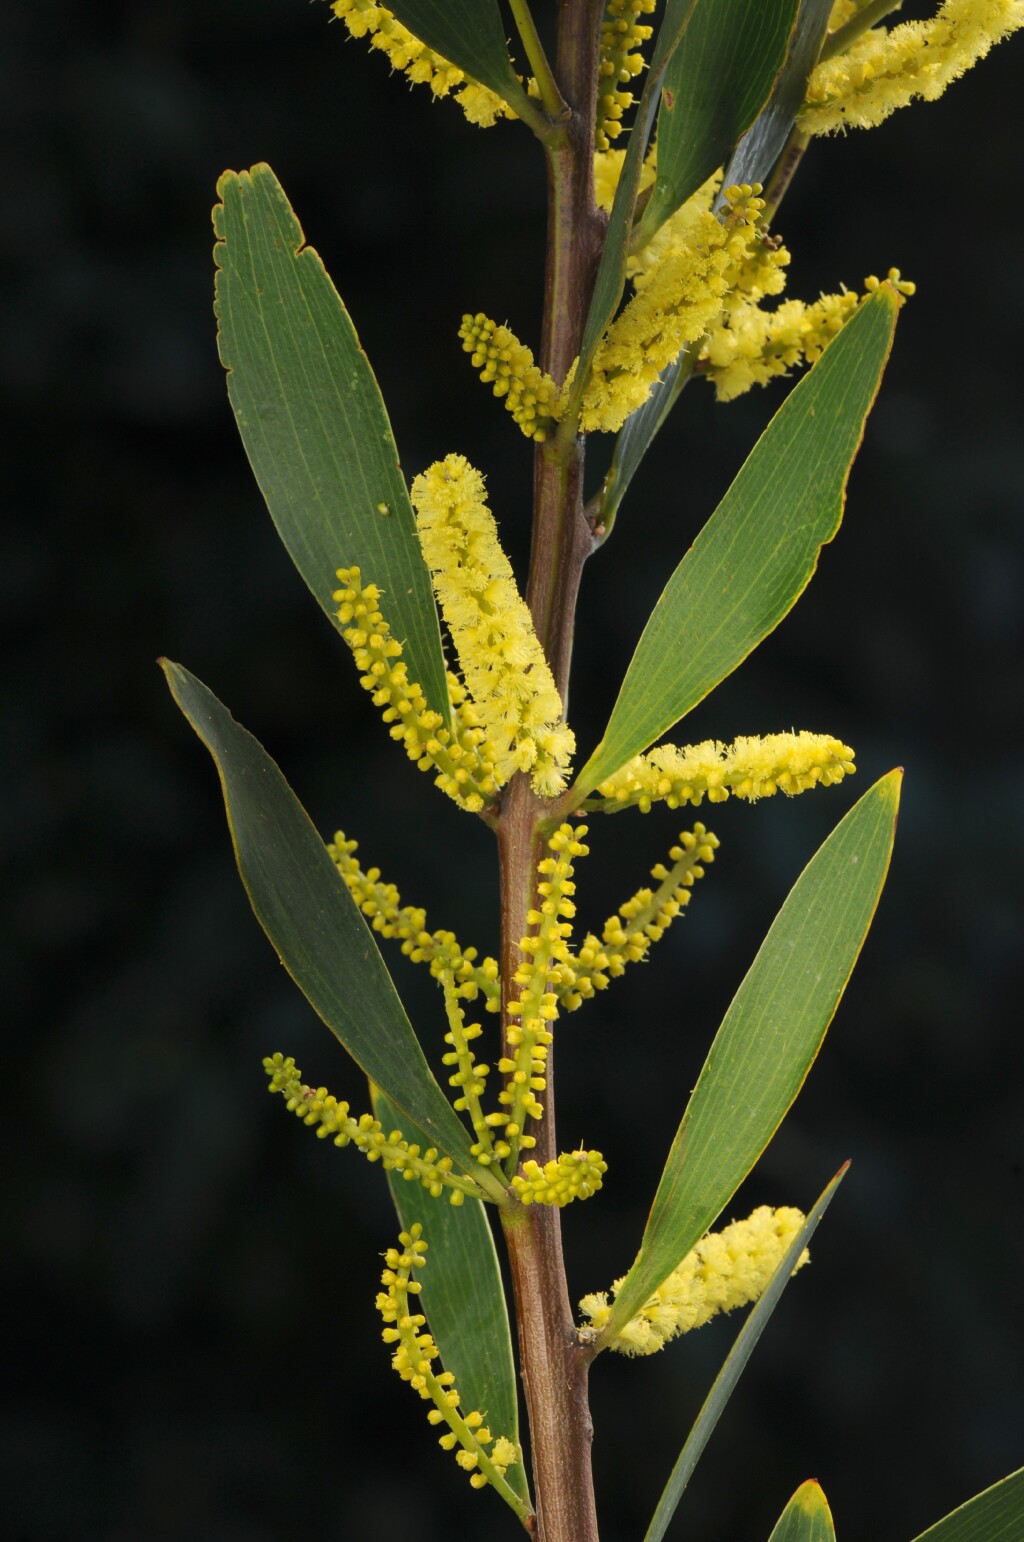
{"type": "Point", "coordinates": [883, 70]}
{"type": "Point", "coordinates": [503, 664]}
{"type": "Point", "coordinates": [749, 768]}
{"type": "Point", "coordinates": [726, 1269]}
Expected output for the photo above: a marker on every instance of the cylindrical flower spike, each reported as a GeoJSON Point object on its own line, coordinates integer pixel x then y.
{"type": "Point", "coordinates": [364, 18]}
{"type": "Point", "coordinates": [884, 70]}
{"type": "Point", "coordinates": [316, 1107]}
{"type": "Point", "coordinates": [677, 298]}
{"type": "Point", "coordinates": [506, 673]}
{"type": "Point", "coordinates": [642, 920]}
{"type": "Point", "coordinates": [748, 768]}
{"type": "Point", "coordinates": [622, 36]}
{"type": "Point", "coordinates": [413, 1358]}
{"type": "Point", "coordinates": [545, 948]}
{"type": "Point", "coordinates": [381, 904]}
{"type": "Point", "coordinates": [530, 396]}
{"type": "Point", "coordinates": [725, 1270]}
{"type": "Point", "coordinates": [456, 755]}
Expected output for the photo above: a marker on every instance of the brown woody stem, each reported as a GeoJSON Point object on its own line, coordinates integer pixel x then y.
{"type": "Point", "coordinates": [554, 1366]}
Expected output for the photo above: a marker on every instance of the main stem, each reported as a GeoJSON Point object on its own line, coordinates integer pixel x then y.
{"type": "Point", "coordinates": [554, 1366]}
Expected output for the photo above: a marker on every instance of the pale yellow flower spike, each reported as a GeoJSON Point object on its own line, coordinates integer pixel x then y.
{"type": "Point", "coordinates": [503, 664]}
{"type": "Point", "coordinates": [381, 904]}
{"type": "Point", "coordinates": [725, 1270]}
{"type": "Point", "coordinates": [748, 768]}
{"type": "Point", "coordinates": [886, 69]}
{"type": "Point", "coordinates": [316, 1107]}
{"type": "Point", "coordinates": [645, 918]}
{"type": "Point", "coordinates": [421, 64]}
{"type": "Point", "coordinates": [622, 35]}
{"type": "Point", "coordinates": [457, 755]}
{"type": "Point", "coordinates": [485, 1457]}
{"type": "Point", "coordinates": [530, 396]}
{"type": "Point", "coordinates": [679, 293]}
{"type": "Point", "coordinates": [749, 346]}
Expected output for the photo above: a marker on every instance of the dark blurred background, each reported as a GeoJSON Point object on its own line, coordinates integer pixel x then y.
{"type": "Point", "coordinates": [191, 1287]}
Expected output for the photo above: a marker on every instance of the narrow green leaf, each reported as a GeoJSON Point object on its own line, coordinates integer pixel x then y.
{"type": "Point", "coordinates": [720, 78]}
{"type": "Point", "coordinates": [734, 1366]}
{"type": "Point", "coordinates": [997, 1515]}
{"type": "Point", "coordinates": [807, 1517]}
{"type": "Point", "coordinates": [755, 155]}
{"type": "Point", "coordinates": [313, 922]}
{"type": "Point", "coordinates": [768, 1039]}
{"type": "Point", "coordinates": [760, 146]}
{"type": "Point", "coordinates": [312, 418]}
{"type": "Point", "coordinates": [757, 552]}
{"type": "Point", "coordinates": [471, 34]}
{"type": "Point", "coordinates": [611, 271]}
{"type": "Point", "coordinates": [463, 1296]}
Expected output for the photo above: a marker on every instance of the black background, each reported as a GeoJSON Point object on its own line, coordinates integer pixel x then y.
{"type": "Point", "coordinates": [192, 1288]}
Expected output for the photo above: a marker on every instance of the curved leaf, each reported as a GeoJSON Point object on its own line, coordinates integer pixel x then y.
{"type": "Point", "coordinates": [754, 158]}
{"type": "Point", "coordinates": [471, 34]}
{"type": "Point", "coordinates": [768, 1039]}
{"type": "Point", "coordinates": [758, 149]}
{"type": "Point", "coordinates": [314, 924]}
{"type": "Point", "coordinates": [734, 1366]}
{"type": "Point", "coordinates": [807, 1517]}
{"type": "Point", "coordinates": [720, 78]}
{"type": "Point", "coordinates": [757, 552]}
{"type": "Point", "coordinates": [312, 418]}
{"type": "Point", "coordinates": [997, 1515]}
{"type": "Point", "coordinates": [463, 1296]}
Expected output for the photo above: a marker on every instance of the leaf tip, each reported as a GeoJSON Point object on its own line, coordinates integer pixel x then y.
{"type": "Point", "coordinates": [810, 1498]}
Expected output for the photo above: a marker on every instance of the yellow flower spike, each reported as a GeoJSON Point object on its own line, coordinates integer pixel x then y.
{"type": "Point", "coordinates": [506, 674]}
{"type": "Point", "coordinates": [421, 64]}
{"type": "Point", "coordinates": [413, 1359]}
{"type": "Point", "coordinates": [749, 768]}
{"type": "Point", "coordinates": [531, 397]}
{"type": "Point", "coordinates": [622, 35]}
{"type": "Point", "coordinates": [572, 1175]}
{"type": "Point", "coordinates": [316, 1107]}
{"type": "Point", "coordinates": [682, 283]}
{"type": "Point", "coordinates": [726, 1269]}
{"type": "Point", "coordinates": [886, 69]}
{"type": "Point", "coordinates": [381, 904]}
{"type": "Point", "coordinates": [642, 920]}
{"type": "Point", "coordinates": [546, 951]}
{"type": "Point", "coordinates": [468, 1075]}
{"type": "Point", "coordinates": [461, 771]}
{"type": "Point", "coordinates": [749, 346]}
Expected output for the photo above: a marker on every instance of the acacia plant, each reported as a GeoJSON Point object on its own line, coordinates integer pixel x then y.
{"type": "Point", "coordinates": [669, 134]}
